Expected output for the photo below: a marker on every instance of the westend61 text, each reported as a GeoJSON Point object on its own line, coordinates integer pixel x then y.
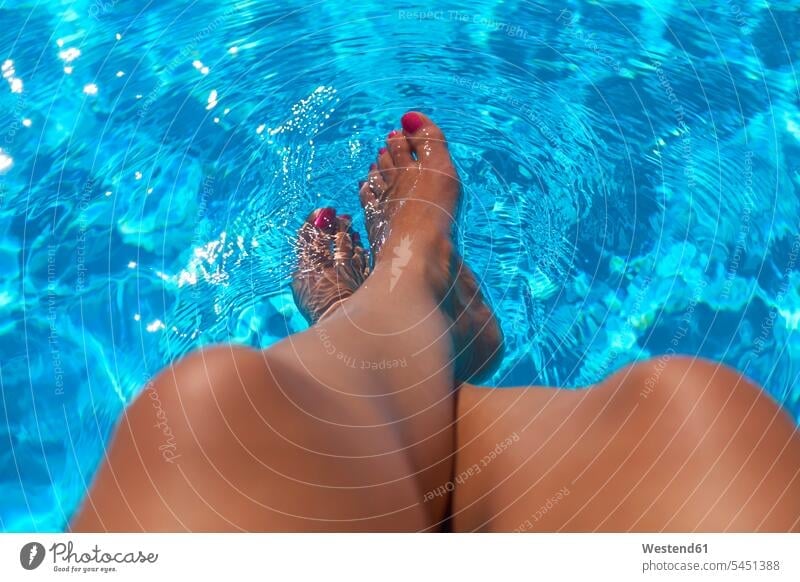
{"type": "Point", "coordinates": [670, 549]}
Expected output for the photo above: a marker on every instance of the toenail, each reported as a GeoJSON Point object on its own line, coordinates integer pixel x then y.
{"type": "Point", "coordinates": [393, 133]}
{"type": "Point", "coordinates": [411, 122]}
{"type": "Point", "coordinates": [382, 151]}
{"type": "Point", "coordinates": [325, 218]}
{"type": "Point", "coordinates": [346, 217]}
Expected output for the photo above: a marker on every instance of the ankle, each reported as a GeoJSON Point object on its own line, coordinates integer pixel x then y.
{"type": "Point", "coordinates": [416, 260]}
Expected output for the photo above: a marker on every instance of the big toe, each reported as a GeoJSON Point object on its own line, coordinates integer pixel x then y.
{"type": "Point", "coordinates": [424, 137]}
{"type": "Point", "coordinates": [315, 240]}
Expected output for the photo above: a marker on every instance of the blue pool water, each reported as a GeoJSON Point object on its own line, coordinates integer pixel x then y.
{"type": "Point", "coordinates": [631, 176]}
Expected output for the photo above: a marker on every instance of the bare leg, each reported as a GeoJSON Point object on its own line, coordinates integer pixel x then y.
{"type": "Point", "coordinates": [671, 445]}
{"type": "Point", "coordinates": [342, 427]}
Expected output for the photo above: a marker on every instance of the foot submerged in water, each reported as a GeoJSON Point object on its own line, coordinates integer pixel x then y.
{"type": "Point", "coordinates": [409, 199]}
{"type": "Point", "coordinates": [331, 264]}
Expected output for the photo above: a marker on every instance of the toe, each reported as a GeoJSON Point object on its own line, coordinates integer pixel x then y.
{"type": "Point", "coordinates": [399, 148]}
{"type": "Point", "coordinates": [378, 186]}
{"type": "Point", "coordinates": [375, 182]}
{"type": "Point", "coordinates": [373, 215]}
{"type": "Point", "coordinates": [385, 162]}
{"type": "Point", "coordinates": [315, 240]}
{"type": "Point", "coordinates": [348, 250]}
{"type": "Point", "coordinates": [366, 194]}
{"type": "Point", "coordinates": [342, 241]}
{"type": "Point", "coordinates": [360, 261]}
{"type": "Point", "coordinates": [424, 137]}
{"type": "Point", "coordinates": [374, 172]}
{"type": "Point", "coordinates": [344, 223]}
{"type": "Point", "coordinates": [323, 219]}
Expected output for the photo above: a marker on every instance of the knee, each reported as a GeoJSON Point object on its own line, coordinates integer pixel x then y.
{"type": "Point", "coordinates": [651, 379]}
{"type": "Point", "coordinates": [685, 380]}
{"type": "Point", "coordinates": [214, 372]}
{"type": "Point", "coordinates": [199, 395]}
{"type": "Point", "coordinates": [659, 377]}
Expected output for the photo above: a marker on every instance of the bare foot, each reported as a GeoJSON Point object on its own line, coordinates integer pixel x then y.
{"type": "Point", "coordinates": [331, 264]}
{"type": "Point", "coordinates": [411, 193]}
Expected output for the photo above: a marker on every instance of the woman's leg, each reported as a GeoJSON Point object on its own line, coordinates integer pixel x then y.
{"type": "Point", "coordinates": [345, 426]}
{"type": "Point", "coordinates": [674, 444]}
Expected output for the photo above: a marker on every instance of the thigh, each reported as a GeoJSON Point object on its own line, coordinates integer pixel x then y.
{"type": "Point", "coordinates": [234, 439]}
{"type": "Point", "coordinates": [670, 444]}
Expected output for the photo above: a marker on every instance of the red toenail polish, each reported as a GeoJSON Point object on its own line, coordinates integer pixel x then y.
{"type": "Point", "coordinates": [325, 218]}
{"type": "Point", "coordinates": [346, 217]}
{"type": "Point", "coordinates": [392, 133]}
{"type": "Point", "coordinates": [411, 122]}
{"type": "Point", "coordinates": [382, 151]}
